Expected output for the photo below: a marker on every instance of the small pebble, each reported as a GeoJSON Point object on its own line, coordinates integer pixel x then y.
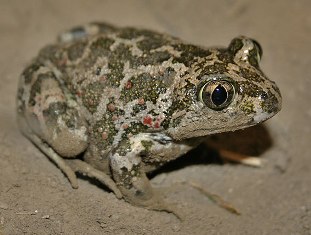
{"type": "Point", "coordinates": [4, 206]}
{"type": "Point", "coordinates": [176, 228]}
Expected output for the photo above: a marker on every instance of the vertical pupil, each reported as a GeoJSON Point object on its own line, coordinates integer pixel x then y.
{"type": "Point", "coordinates": [219, 95]}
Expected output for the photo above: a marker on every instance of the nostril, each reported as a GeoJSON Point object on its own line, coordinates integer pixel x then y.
{"type": "Point", "coordinates": [263, 96]}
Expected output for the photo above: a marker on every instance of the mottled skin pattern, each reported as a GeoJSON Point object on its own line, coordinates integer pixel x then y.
{"type": "Point", "coordinates": [115, 103]}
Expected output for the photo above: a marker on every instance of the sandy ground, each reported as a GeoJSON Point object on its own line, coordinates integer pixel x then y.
{"type": "Point", "coordinates": [36, 198]}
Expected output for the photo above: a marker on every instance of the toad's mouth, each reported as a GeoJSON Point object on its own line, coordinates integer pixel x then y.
{"type": "Point", "coordinates": [206, 132]}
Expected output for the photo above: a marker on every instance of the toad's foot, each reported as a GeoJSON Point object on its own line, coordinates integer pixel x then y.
{"type": "Point", "coordinates": [141, 193]}
{"type": "Point", "coordinates": [86, 169]}
{"type": "Point", "coordinates": [128, 173]}
{"type": "Point", "coordinates": [54, 157]}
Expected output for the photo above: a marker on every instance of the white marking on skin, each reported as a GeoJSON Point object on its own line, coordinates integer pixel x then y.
{"type": "Point", "coordinates": [81, 75]}
{"type": "Point", "coordinates": [41, 70]}
{"type": "Point", "coordinates": [127, 118]}
{"type": "Point", "coordinates": [260, 115]}
{"type": "Point", "coordinates": [158, 137]}
{"type": "Point", "coordinates": [169, 49]}
{"type": "Point", "coordinates": [128, 42]}
{"type": "Point", "coordinates": [51, 90]}
{"type": "Point", "coordinates": [81, 132]}
{"type": "Point", "coordinates": [162, 145]}
{"type": "Point", "coordinates": [118, 162]}
{"type": "Point", "coordinates": [178, 114]}
{"type": "Point", "coordinates": [136, 51]}
{"type": "Point", "coordinates": [212, 58]}
{"type": "Point", "coordinates": [233, 67]}
{"type": "Point", "coordinates": [128, 73]}
{"type": "Point", "coordinates": [243, 53]}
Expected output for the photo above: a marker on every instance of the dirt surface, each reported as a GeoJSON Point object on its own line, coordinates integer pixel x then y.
{"type": "Point", "coordinates": [36, 198]}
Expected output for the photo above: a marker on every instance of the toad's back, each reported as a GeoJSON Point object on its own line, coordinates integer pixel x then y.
{"type": "Point", "coordinates": [128, 61]}
{"type": "Point", "coordinates": [123, 76]}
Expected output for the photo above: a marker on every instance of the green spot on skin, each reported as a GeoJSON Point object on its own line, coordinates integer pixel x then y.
{"type": "Point", "coordinates": [107, 127]}
{"type": "Point", "coordinates": [147, 145]}
{"type": "Point", "coordinates": [247, 107]}
{"type": "Point", "coordinates": [91, 96]}
{"type": "Point", "coordinates": [114, 78]}
{"type": "Point", "coordinates": [134, 129]}
{"type": "Point", "coordinates": [101, 44]}
{"type": "Point", "coordinates": [124, 147]}
{"type": "Point", "coordinates": [190, 53]}
{"type": "Point", "coordinates": [144, 86]}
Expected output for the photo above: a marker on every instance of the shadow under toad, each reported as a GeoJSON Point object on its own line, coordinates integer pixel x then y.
{"type": "Point", "coordinates": [253, 141]}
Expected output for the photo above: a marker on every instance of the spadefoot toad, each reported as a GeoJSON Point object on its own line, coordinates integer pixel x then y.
{"type": "Point", "coordinates": [114, 103]}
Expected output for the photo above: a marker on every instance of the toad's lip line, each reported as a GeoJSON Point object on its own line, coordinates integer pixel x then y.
{"type": "Point", "coordinates": [225, 129]}
{"type": "Point", "coordinates": [222, 130]}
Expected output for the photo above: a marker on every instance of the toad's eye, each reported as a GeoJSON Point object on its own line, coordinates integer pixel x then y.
{"type": "Point", "coordinates": [217, 94]}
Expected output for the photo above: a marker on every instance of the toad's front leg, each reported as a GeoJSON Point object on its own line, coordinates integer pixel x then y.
{"type": "Point", "coordinates": [130, 161]}
{"type": "Point", "coordinates": [128, 173]}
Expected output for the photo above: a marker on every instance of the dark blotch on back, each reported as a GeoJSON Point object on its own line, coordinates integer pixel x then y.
{"type": "Point", "coordinates": [144, 86]}
{"type": "Point", "coordinates": [235, 46]}
{"type": "Point", "coordinates": [189, 53]}
{"type": "Point", "coordinates": [52, 53]}
{"type": "Point", "coordinates": [99, 48]}
{"type": "Point", "coordinates": [151, 59]}
{"type": "Point", "coordinates": [91, 95]}
{"type": "Point", "coordinates": [75, 51]}
{"type": "Point", "coordinates": [30, 70]}
{"type": "Point", "coordinates": [225, 56]}
{"type": "Point", "coordinates": [152, 40]}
